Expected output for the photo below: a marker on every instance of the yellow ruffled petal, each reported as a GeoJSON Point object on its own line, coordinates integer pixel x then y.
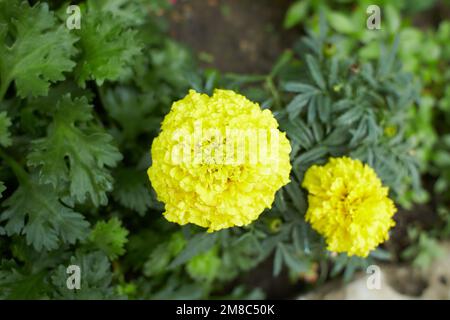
{"type": "Point", "coordinates": [215, 192]}
{"type": "Point", "coordinates": [348, 205]}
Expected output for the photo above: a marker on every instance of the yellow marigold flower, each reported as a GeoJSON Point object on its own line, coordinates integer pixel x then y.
{"type": "Point", "coordinates": [348, 205]}
{"type": "Point", "coordinates": [218, 160]}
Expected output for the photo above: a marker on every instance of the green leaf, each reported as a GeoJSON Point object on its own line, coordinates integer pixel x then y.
{"type": "Point", "coordinates": [341, 23]}
{"type": "Point", "coordinates": [295, 13]}
{"type": "Point", "coordinates": [350, 116]}
{"type": "Point", "coordinates": [298, 87]}
{"type": "Point", "coordinates": [324, 108]}
{"type": "Point", "coordinates": [312, 155]}
{"type": "Point", "coordinates": [198, 244]}
{"type": "Point", "coordinates": [334, 69]}
{"type": "Point", "coordinates": [299, 132]}
{"type": "Point", "coordinates": [205, 266]}
{"type": "Point", "coordinates": [313, 109]}
{"type": "Point", "coordinates": [381, 254]}
{"type": "Point", "coordinates": [35, 49]}
{"type": "Point", "coordinates": [129, 12]}
{"type": "Point", "coordinates": [292, 260]}
{"type": "Point", "coordinates": [295, 107]}
{"type": "Point", "coordinates": [281, 62]}
{"type": "Point", "coordinates": [35, 210]}
{"type": "Point", "coordinates": [277, 262]}
{"type": "Point", "coordinates": [160, 257]}
{"type": "Point", "coordinates": [337, 137]}
{"type": "Point", "coordinates": [158, 261]}
{"type": "Point", "coordinates": [132, 190]}
{"type": "Point", "coordinates": [297, 196]}
{"type": "Point", "coordinates": [5, 136]}
{"type": "Point", "coordinates": [314, 69]}
{"type": "Point", "coordinates": [110, 237]}
{"type": "Point", "coordinates": [387, 59]}
{"type": "Point", "coordinates": [107, 46]}
{"type": "Point", "coordinates": [73, 156]}
{"type": "Point", "coordinates": [318, 131]}
{"type": "Point", "coordinates": [393, 18]}
{"type": "Point", "coordinates": [96, 277]}
{"type": "Point", "coordinates": [16, 284]}
{"type": "Point", "coordinates": [342, 105]}
{"type": "Point", "coordinates": [134, 112]}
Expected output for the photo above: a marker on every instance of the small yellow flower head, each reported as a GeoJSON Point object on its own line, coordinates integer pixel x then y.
{"type": "Point", "coordinates": [348, 205]}
{"type": "Point", "coordinates": [218, 160]}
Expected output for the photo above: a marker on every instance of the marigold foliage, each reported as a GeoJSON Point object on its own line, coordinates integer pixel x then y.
{"type": "Point", "coordinates": [348, 205]}
{"type": "Point", "coordinates": [80, 157]}
{"type": "Point", "coordinates": [35, 49]}
{"type": "Point", "coordinates": [33, 210]}
{"type": "Point", "coordinates": [109, 237]}
{"type": "Point", "coordinates": [79, 109]}
{"type": "Point", "coordinates": [5, 123]}
{"type": "Point", "coordinates": [106, 48]}
{"type": "Point", "coordinates": [210, 194]}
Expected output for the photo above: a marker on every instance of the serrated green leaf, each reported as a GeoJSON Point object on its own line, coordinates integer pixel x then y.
{"type": "Point", "coordinates": [109, 237]}
{"type": "Point", "coordinates": [95, 275]}
{"type": "Point", "coordinates": [35, 211]}
{"type": "Point", "coordinates": [128, 12]}
{"type": "Point", "coordinates": [17, 284]}
{"type": "Point", "coordinates": [132, 190]}
{"type": "Point", "coordinates": [205, 266]}
{"type": "Point", "coordinates": [107, 46]}
{"type": "Point", "coordinates": [35, 49]}
{"type": "Point", "coordinates": [74, 156]}
{"type": "Point", "coordinates": [134, 112]}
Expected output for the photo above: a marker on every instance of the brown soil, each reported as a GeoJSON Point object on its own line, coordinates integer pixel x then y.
{"type": "Point", "coordinates": [244, 36]}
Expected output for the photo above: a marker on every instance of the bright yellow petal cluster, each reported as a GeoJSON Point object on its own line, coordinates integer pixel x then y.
{"type": "Point", "coordinates": [210, 193]}
{"type": "Point", "coordinates": [348, 205]}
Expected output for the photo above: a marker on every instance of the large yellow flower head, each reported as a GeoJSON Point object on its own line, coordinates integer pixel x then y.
{"type": "Point", "coordinates": [218, 160]}
{"type": "Point", "coordinates": [348, 205]}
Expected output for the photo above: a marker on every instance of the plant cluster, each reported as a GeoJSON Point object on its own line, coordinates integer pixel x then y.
{"type": "Point", "coordinates": [80, 109]}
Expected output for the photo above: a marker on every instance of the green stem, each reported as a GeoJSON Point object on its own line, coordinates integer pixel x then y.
{"type": "Point", "coordinates": [19, 172]}
{"type": "Point", "coordinates": [274, 92]}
